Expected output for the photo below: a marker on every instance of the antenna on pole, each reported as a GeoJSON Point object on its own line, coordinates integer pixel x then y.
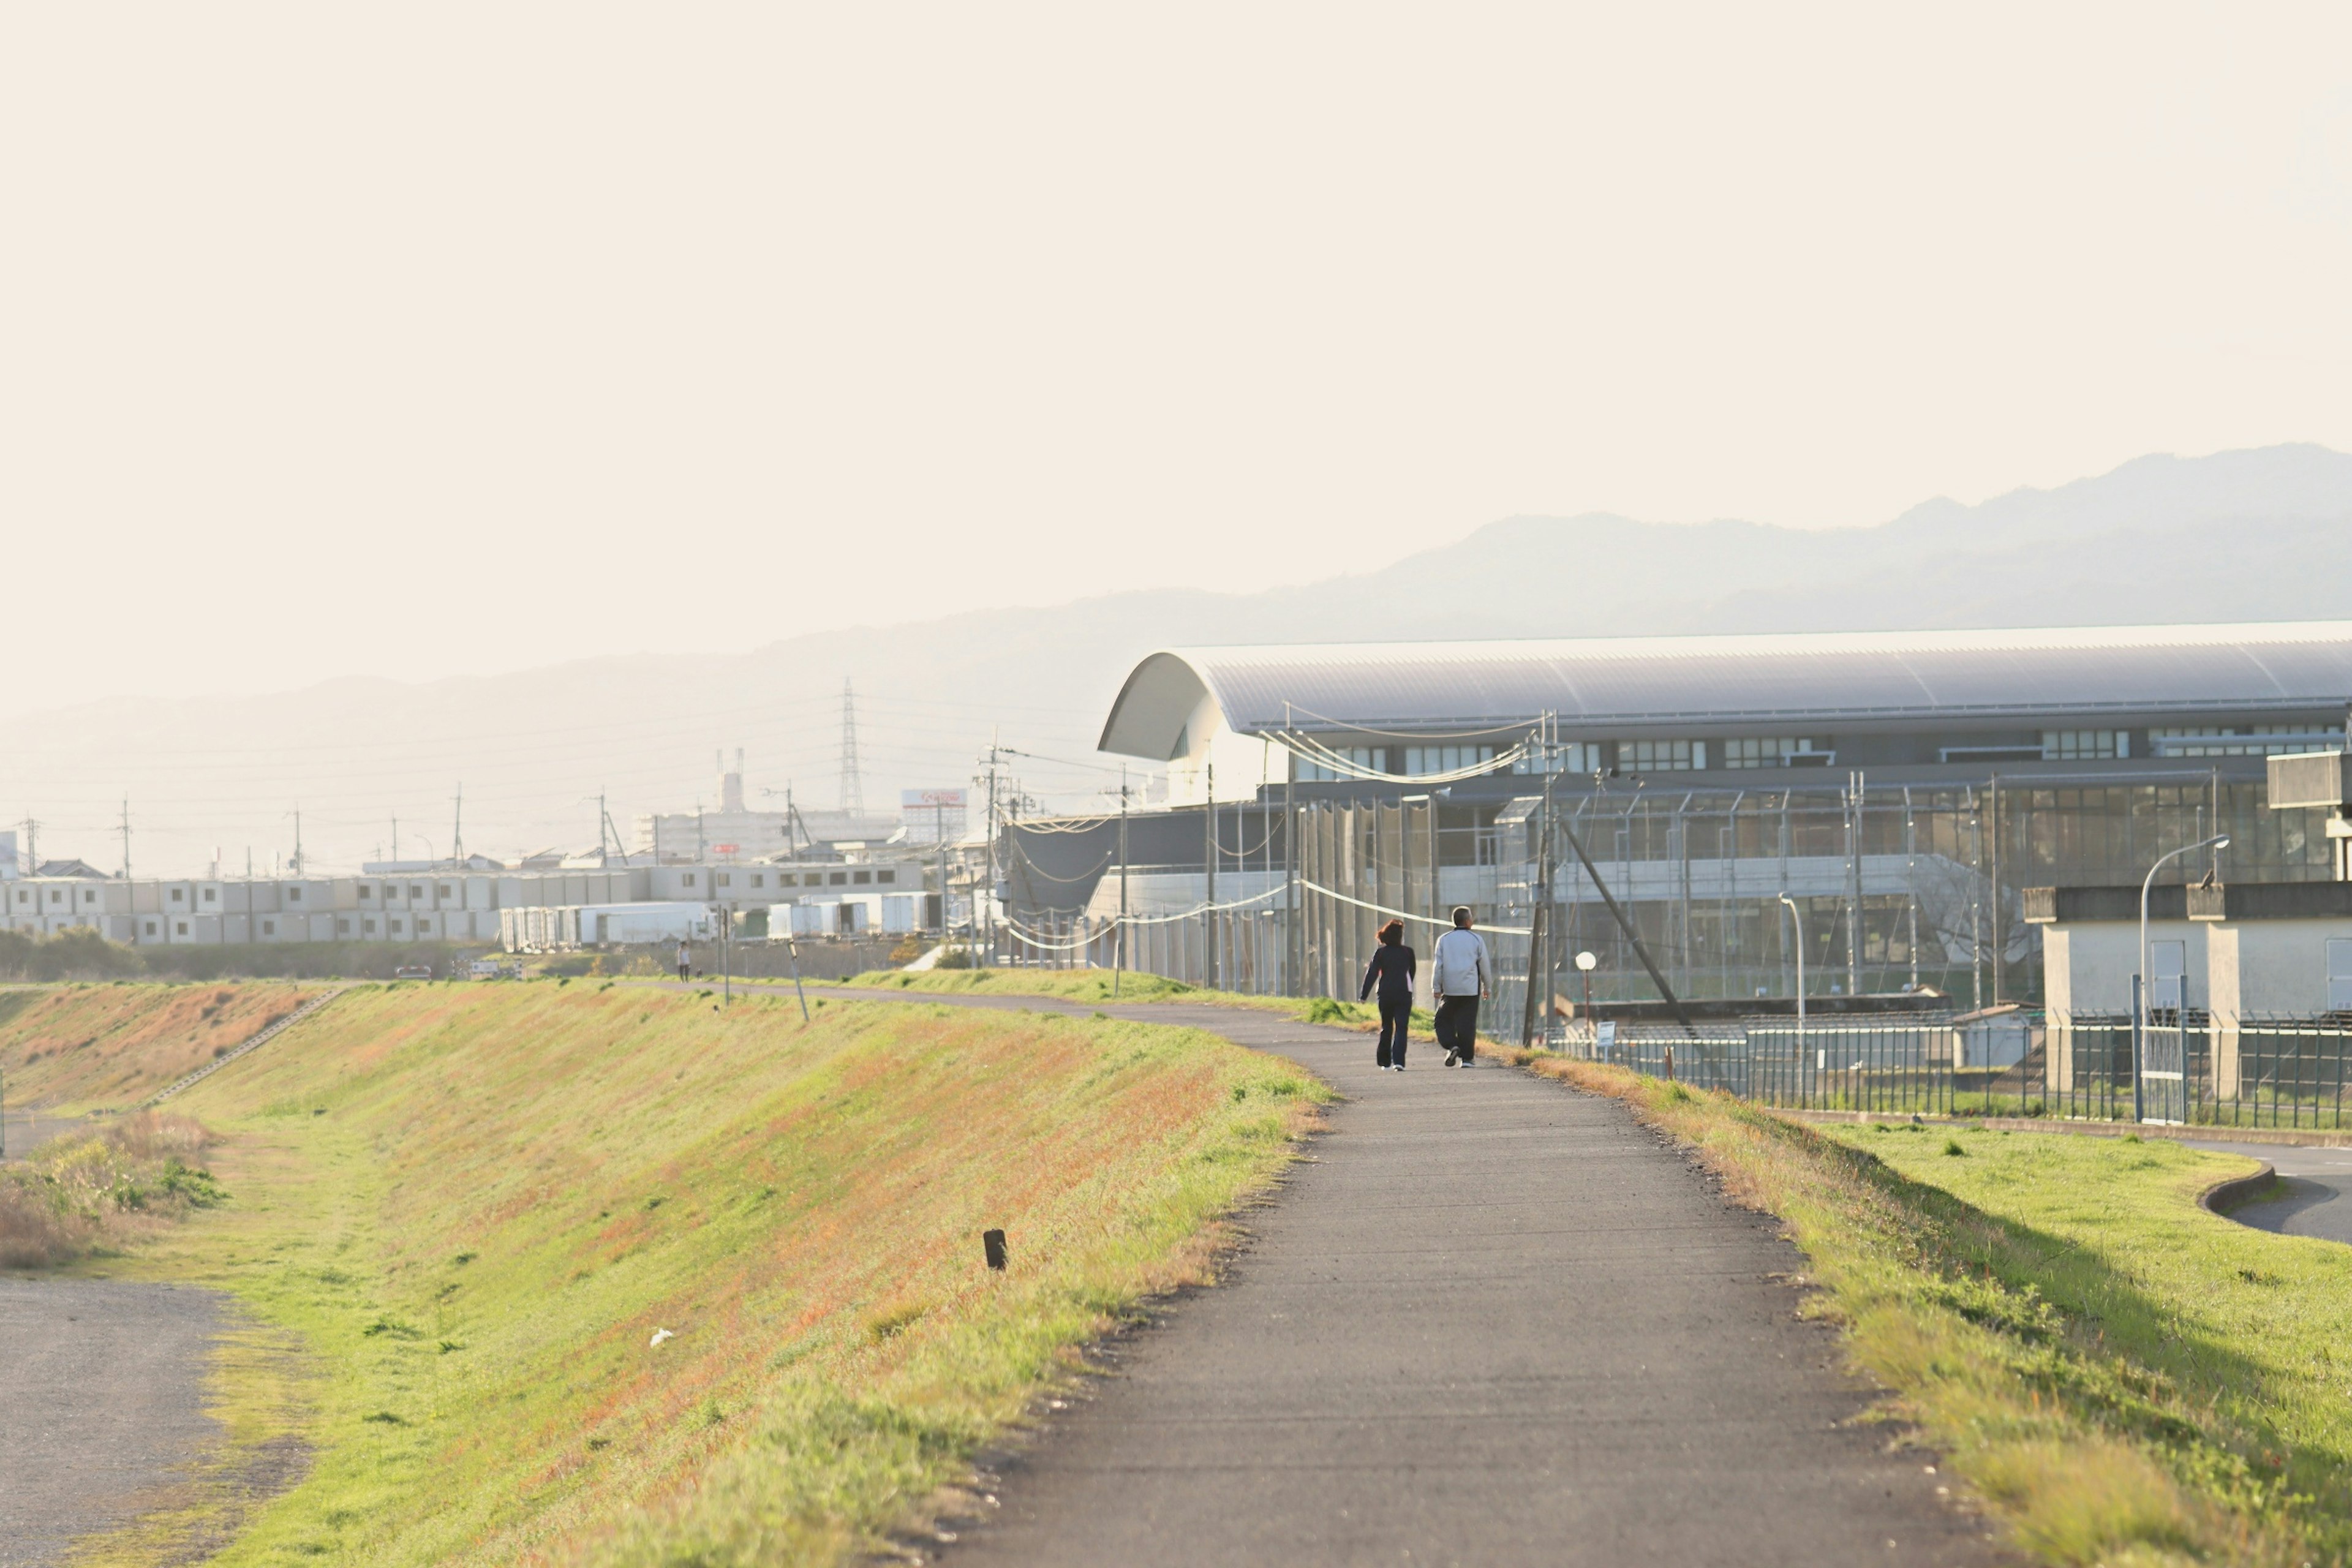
{"type": "Point", "coordinates": [852, 789]}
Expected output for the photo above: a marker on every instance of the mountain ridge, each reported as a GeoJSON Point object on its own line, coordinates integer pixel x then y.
{"type": "Point", "coordinates": [2254, 535]}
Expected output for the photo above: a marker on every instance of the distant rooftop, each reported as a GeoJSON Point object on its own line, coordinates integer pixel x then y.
{"type": "Point", "coordinates": [2112, 673]}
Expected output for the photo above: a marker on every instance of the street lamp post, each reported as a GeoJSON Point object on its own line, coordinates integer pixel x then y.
{"type": "Point", "coordinates": [1797, 915]}
{"type": "Point", "coordinates": [1585, 964]}
{"type": "Point", "coordinates": [2139, 981]}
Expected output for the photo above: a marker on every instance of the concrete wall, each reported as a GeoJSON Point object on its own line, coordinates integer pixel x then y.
{"type": "Point", "coordinates": [2088, 964]}
{"type": "Point", "coordinates": [2273, 966]}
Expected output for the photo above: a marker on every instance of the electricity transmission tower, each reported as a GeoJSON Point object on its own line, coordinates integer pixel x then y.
{"type": "Point", "coordinates": [853, 791]}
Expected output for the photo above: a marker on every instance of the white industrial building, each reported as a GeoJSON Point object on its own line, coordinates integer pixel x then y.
{"type": "Point", "coordinates": [734, 832]}
{"type": "Point", "coordinates": [420, 906]}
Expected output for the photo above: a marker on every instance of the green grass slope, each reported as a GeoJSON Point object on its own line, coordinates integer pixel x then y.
{"type": "Point", "coordinates": [1065, 984]}
{"type": "Point", "coordinates": [1098, 985]}
{"type": "Point", "coordinates": [70, 1047]}
{"type": "Point", "coordinates": [610, 1276]}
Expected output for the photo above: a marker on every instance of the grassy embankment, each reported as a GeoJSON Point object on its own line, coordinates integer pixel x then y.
{"type": "Point", "coordinates": [73, 1048]}
{"type": "Point", "coordinates": [2122, 1376]}
{"type": "Point", "coordinates": [84, 955]}
{"type": "Point", "coordinates": [471, 1212]}
{"type": "Point", "coordinates": [1095, 986]}
{"type": "Point", "coordinates": [1064, 984]}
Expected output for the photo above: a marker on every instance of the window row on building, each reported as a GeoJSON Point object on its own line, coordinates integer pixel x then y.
{"type": "Point", "coordinates": [1685, 755]}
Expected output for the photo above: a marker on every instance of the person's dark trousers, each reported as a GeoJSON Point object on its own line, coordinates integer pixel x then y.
{"type": "Point", "coordinates": [1458, 1026]}
{"type": "Point", "coordinates": [1396, 1016]}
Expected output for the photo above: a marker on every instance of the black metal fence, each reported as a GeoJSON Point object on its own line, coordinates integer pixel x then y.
{"type": "Point", "coordinates": [2266, 1072]}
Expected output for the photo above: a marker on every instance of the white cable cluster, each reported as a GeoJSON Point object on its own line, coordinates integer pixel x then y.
{"type": "Point", "coordinates": [1405, 914]}
{"type": "Point", "coordinates": [1307, 749]}
{"type": "Point", "coordinates": [1115, 921]}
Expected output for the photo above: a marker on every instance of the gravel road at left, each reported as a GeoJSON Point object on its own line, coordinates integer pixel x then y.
{"type": "Point", "coordinates": [104, 1405]}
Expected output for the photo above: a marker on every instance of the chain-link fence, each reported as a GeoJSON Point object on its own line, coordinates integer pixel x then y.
{"type": "Point", "coordinates": [2258, 1072]}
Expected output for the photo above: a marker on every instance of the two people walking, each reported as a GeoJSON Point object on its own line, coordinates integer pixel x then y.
{"type": "Point", "coordinates": [1461, 973]}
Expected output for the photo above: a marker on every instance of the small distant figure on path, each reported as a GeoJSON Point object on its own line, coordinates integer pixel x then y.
{"type": "Point", "coordinates": [1393, 969]}
{"type": "Point", "coordinates": [1461, 973]}
{"type": "Point", "coordinates": [685, 961]}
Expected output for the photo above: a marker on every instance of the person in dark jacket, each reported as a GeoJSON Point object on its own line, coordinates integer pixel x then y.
{"type": "Point", "coordinates": [1392, 970]}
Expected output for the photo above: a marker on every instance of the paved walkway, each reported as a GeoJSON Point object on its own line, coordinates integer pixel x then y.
{"type": "Point", "coordinates": [104, 1402]}
{"type": "Point", "coordinates": [2318, 1196]}
{"type": "Point", "coordinates": [26, 1130]}
{"type": "Point", "coordinates": [1491, 1322]}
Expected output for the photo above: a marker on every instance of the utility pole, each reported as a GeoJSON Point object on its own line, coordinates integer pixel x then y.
{"type": "Point", "coordinates": [619, 845]}
{"type": "Point", "coordinates": [297, 841]}
{"type": "Point", "coordinates": [1911, 880]}
{"type": "Point", "coordinates": [457, 827]}
{"type": "Point", "coordinates": [1853, 799]}
{"type": "Point", "coordinates": [1540, 960]}
{"type": "Point", "coordinates": [1294, 939]}
{"type": "Point", "coordinates": [1209, 905]}
{"type": "Point", "coordinates": [994, 752]}
{"type": "Point", "coordinates": [32, 867]}
{"type": "Point", "coordinates": [396, 838]}
{"type": "Point", "coordinates": [126, 840]}
{"type": "Point", "coordinates": [1119, 960]}
{"type": "Point", "coordinates": [2000, 927]}
{"type": "Point", "coordinates": [1976, 903]}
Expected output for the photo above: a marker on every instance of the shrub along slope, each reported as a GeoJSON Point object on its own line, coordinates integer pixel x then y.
{"type": "Point", "coordinates": [70, 1047]}
{"type": "Point", "coordinates": [609, 1274]}
{"type": "Point", "coordinates": [86, 1190]}
{"type": "Point", "coordinates": [2123, 1377]}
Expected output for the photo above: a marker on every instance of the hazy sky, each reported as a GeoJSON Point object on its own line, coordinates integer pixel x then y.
{"type": "Point", "coordinates": [424, 339]}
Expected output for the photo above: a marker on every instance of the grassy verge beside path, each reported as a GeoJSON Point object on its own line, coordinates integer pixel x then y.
{"type": "Point", "coordinates": [1095, 986]}
{"type": "Point", "coordinates": [1065, 984]}
{"type": "Point", "coordinates": [2123, 1377]}
{"type": "Point", "coordinates": [609, 1274]}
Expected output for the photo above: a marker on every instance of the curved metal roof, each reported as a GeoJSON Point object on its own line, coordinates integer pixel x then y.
{"type": "Point", "coordinates": [1632, 683]}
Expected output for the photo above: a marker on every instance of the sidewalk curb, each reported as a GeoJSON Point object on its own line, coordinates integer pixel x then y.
{"type": "Point", "coordinates": [2222, 1196]}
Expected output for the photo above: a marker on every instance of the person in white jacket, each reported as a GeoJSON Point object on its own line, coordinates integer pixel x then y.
{"type": "Point", "coordinates": [1460, 973]}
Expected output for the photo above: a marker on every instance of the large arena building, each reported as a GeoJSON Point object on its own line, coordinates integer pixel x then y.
{"type": "Point", "coordinates": [1903, 788]}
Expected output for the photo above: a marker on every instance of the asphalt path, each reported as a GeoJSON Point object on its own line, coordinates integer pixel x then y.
{"type": "Point", "coordinates": [104, 1404]}
{"type": "Point", "coordinates": [22, 1131]}
{"type": "Point", "coordinates": [1487, 1321]}
{"type": "Point", "coordinates": [2315, 1184]}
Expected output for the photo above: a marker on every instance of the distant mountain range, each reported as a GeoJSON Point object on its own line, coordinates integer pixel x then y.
{"type": "Point", "coordinates": [2250, 535]}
